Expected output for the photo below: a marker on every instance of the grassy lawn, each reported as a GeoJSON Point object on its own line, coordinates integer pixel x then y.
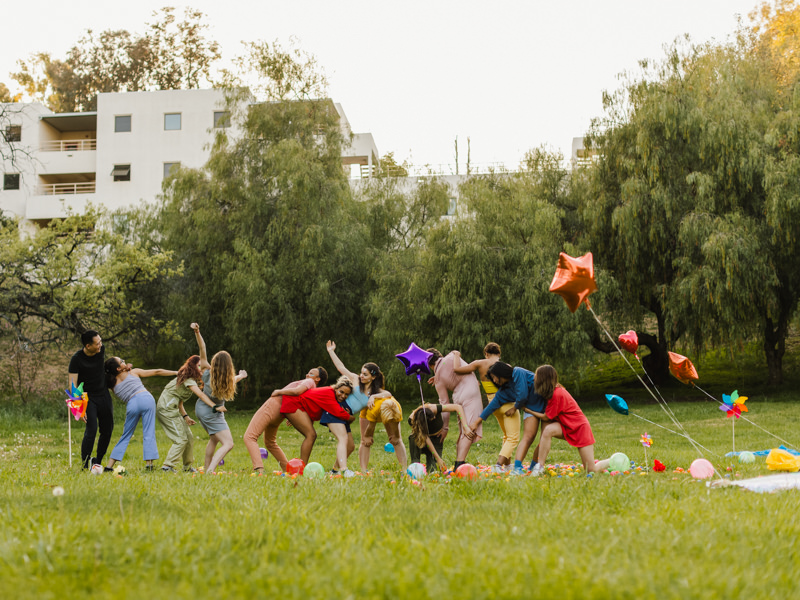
{"type": "Point", "coordinates": [154, 535]}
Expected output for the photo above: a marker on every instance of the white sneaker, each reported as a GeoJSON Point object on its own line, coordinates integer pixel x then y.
{"type": "Point", "coordinates": [537, 470]}
{"type": "Point", "coordinates": [348, 473]}
{"type": "Point", "coordinates": [501, 468]}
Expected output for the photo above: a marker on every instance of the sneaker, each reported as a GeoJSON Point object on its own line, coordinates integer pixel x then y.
{"type": "Point", "coordinates": [348, 473]}
{"type": "Point", "coordinates": [149, 468]}
{"type": "Point", "coordinates": [518, 471]}
{"type": "Point", "coordinates": [537, 470]}
{"type": "Point", "coordinates": [190, 470]}
{"type": "Point", "coordinates": [168, 469]}
{"type": "Point", "coordinates": [501, 468]}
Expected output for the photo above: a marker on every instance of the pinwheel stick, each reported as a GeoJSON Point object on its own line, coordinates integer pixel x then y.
{"type": "Point", "coordinates": [69, 434]}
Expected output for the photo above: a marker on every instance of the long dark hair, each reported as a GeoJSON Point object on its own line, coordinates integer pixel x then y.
{"type": "Point", "coordinates": [111, 368]}
{"type": "Point", "coordinates": [376, 385]}
{"type": "Point", "coordinates": [190, 370]}
{"type": "Point", "coordinates": [419, 426]}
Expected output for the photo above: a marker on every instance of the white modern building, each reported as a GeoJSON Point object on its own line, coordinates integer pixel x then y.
{"type": "Point", "coordinates": [119, 155]}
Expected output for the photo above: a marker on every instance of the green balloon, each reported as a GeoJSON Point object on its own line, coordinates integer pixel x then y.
{"type": "Point", "coordinates": [314, 470]}
{"type": "Point", "coordinates": [619, 462]}
{"type": "Point", "coordinates": [747, 458]}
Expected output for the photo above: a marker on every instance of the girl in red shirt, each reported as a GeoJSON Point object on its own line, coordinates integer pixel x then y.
{"type": "Point", "coordinates": [567, 422]}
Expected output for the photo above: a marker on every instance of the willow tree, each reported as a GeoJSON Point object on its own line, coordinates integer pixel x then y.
{"type": "Point", "coordinates": [484, 275]}
{"type": "Point", "coordinates": [273, 266]}
{"type": "Point", "coordinates": [680, 203]}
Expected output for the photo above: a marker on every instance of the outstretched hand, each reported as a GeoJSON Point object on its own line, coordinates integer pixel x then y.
{"type": "Point", "coordinates": [330, 345]}
{"type": "Point", "coordinates": [242, 374]}
{"type": "Point", "coordinates": [469, 433]}
{"type": "Point", "coordinates": [195, 327]}
{"type": "Point", "coordinates": [510, 412]}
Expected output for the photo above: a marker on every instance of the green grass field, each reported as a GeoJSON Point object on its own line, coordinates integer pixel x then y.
{"type": "Point", "coordinates": [156, 535]}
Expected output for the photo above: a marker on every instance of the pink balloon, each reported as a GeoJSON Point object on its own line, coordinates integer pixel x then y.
{"type": "Point", "coordinates": [629, 341]}
{"type": "Point", "coordinates": [701, 469]}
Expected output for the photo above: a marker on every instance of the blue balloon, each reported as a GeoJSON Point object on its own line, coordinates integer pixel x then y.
{"type": "Point", "coordinates": [388, 447]}
{"type": "Point", "coordinates": [617, 403]}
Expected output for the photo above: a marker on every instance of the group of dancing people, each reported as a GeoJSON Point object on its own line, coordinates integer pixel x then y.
{"type": "Point", "coordinates": [546, 408]}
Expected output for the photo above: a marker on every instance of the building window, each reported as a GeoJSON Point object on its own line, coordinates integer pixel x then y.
{"type": "Point", "coordinates": [11, 181]}
{"type": "Point", "coordinates": [13, 133]}
{"type": "Point", "coordinates": [122, 123]}
{"type": "Point", "coordinates": [222, 118]}
{"type": "Point", "coordinates": [452, 207]}
{"type": "Point", "coordinates": [121, 173]}
{"type": "Point", "coordinates": [170, 168]}
{"type": "Point", "coordinates": [172, 122]}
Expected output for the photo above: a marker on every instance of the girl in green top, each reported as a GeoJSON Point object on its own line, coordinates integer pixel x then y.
{"type": "Point", "coordinates": [171, 413]}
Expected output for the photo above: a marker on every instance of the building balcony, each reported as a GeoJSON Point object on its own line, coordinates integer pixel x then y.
{"type": "Point", "coordinates": [44, 207]}
{"type": "Point", "coordinates": [68, 145]}
{"type": "Point", "coordinates": [66, 189]}
{"type": "Point", "coordinates": [82, 160]}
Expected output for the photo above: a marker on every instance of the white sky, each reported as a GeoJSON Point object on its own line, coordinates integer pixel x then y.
{"type": "Point", "coordinates": [511, 75]}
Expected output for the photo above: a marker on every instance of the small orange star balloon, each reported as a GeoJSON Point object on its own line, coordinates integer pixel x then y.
{"type": "Point", "coordinates": [682, 368]}
{"type": "Point", "coordinates": [574, 279]}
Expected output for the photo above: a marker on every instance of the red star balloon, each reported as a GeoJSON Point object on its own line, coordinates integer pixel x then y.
{"type": "Point", "coordinates": [574, 279]}
{"type": "Point", "coordinates": [682, 368]}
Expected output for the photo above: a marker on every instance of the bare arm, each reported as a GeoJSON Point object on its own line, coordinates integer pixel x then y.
{"type": "Point", "coordinates": [331, 346]}
{"type": "Point", "coordinates": [153, 373]}
{"type": "Point", "coordinates": [470, 368]}
{"type": "Point", "coordinates": [189, 420]}
{"type": "Point", "coordinates": [242, 374]}
{"type": "Point", "coordinates": [199, 393]}
{"type": "Point", "coordinates": [459, 410]}
{"type": "Point", "coordinates": [291, 390]}
{"type": "Point", "coordinates": [540, 416]}
{"type": "Point", "coordinates": [201, 344]}
{"type": "Point", "coordinates": [439, 460]}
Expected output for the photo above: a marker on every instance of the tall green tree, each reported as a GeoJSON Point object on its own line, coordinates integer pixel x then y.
{"type": "Point", "coordinates": [171, 54]}
{"type": "Point", "coordinates": [485, 274]}
{"type": "Point", "coordinates": [685, 210]}
{"type": "Point", "coordinates": [274, 263]}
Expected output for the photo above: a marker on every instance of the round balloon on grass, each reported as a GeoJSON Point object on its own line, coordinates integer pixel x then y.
{"type": "Point", "coordinates": [467, 471]}
{"type": "Point", "coordinates": [701, 469]}
{"type": "Point", "coordinates": [295, 467]}
{"type": "Point", "coordinates": [747, 458]}
{"type": "Point", "coordinates": [314, 470]}
{"type": "Point", "coordinates": [416, 470]}
{"type": "Point", "coordinates": [619, 462]}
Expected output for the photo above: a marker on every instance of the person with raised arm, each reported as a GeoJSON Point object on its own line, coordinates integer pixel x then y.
{"type": "Point", "coordinates": [140, 404]}
{"type": "Point", "coordinates": [380, 406]}
{"type": "Point", "coordinates": [171, 411]}
{"type": "Point", "coordinates": [219, 386]}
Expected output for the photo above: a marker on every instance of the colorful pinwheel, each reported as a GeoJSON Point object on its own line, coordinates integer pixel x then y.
{"type": "Point", "coordinates": [77, 400]}
{"type": "Point", "coordinates": [646, 440]}
{"type": "Point", "coordinates": [733, 405]}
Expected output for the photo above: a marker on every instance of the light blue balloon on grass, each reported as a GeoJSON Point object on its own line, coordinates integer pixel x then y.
{"type": "Point", "coordinates": [416, 470]}
{"type": "Point", "coordinates": [747, 458]}
{"type": "Point", "coordinates": [388, 447]}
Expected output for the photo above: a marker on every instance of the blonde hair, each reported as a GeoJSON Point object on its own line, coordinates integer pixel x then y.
{"type": "Point", "coordinates": [545, 381]}
{"type": "Point", "coordinates": [391, 411]}
{"type": "Point", "coordinates": [343, 381]}
{"type": "Point", "coordinates": [223, 376]}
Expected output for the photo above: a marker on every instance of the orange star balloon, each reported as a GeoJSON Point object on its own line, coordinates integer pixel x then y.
{"type": "Point", "coordinates": [574, 279]}
{"type": "Point", "coordinates": [682, 368]}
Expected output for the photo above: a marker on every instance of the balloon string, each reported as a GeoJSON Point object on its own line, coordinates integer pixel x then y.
{"type": "Point", "coordinates": [780, 439]}
{"type": "Point", "coordinates": [672, 417]}
{"type": "Point", "coordinates": [683, 435]}
{"type": "Point", "coordinates": [655, 387]}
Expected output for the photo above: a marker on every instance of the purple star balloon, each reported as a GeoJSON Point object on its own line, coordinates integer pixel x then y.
{"type": "Point", "coordinates": [415, 360]}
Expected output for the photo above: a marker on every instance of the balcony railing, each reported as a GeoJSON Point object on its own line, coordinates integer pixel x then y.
{"type": "Point", "coordinates": [68, 145]}
{"type": "Point", "coordinates": [59, 189]}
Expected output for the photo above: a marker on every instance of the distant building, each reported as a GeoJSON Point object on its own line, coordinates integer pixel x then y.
{"type": "Point", "coordinates": [119, 155]}
{"type": "Point", "coordinates": [580, 155]}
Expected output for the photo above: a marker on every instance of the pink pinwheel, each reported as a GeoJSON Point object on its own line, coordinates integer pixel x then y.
{"type": "Point", "coordinates": [733, 405]}
{"type": "Point", "coordinates": [646, 440]}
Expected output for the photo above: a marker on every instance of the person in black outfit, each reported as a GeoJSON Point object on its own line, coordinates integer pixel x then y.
{"type": "Point", "coordinates": [426, 434]}
{"type": "Point", "coordinates": [86, 366]}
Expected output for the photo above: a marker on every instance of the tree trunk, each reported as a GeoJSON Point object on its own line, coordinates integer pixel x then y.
{"type": "Point", "coordinates": [775, 348]}
{"type": "Point", "coordinates": [657, 362]}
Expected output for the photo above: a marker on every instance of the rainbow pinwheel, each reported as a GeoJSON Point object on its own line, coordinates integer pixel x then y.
{"type": "Point", "coordinates": [77, 400]}
{"type": "Point", "coordinates": [646, 440]}
{"type": "Point", "coordinates": [733, 405]}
